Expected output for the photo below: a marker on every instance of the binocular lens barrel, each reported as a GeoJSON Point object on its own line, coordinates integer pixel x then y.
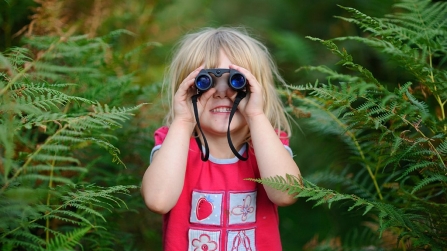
{"type": "Point", "coordinates": [237, 81]}
{"type": "Point", "coordinates": [204, 81]}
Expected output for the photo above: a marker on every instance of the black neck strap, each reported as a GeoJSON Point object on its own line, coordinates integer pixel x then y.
{"type": "Point", "coordinates": [240, 95]}
{"type": "Point", "coordinates": [199, 143]}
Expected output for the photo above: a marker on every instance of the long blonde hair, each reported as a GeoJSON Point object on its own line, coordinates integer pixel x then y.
{"type": "Point", "coordinates": [203, 47]}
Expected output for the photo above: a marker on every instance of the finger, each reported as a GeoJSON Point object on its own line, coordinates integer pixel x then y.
{"type": "Point", "coordinates": [255, 98]}
{"type": "Point", "coordinates": [252, 82]}
{"type": "Point", "coordinates": [189, 80]}
{"type": "Point", "coordinates": [206, 96]}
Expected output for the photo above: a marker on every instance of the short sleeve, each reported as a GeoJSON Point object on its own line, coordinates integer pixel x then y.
{"type": "Point", "coordinates": [284, 138]}
{"type": "Point", "coordinates": [159, 137]}
{"type": "Point", "coordinates": [285, 141]}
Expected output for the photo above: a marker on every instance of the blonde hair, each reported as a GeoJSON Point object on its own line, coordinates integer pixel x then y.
{"type": "Point", "coordinates": [203, 47]}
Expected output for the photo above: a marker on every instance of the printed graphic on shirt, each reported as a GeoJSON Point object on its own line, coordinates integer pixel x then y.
{"type": "Point", "coordinates": [242, 208]}
{"type": "Point", "coordinates": [241, 240]}
{"type": "Point", "coordinates": [206, 208]}
{"type": "Point", "coordinates": [203, 240]}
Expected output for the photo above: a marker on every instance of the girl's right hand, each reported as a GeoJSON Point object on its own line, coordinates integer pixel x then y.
{"type": "Point", "coordinates": [183, 109]}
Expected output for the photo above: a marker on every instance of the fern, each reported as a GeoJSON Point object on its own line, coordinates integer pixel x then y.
{"type": "Point", "coordinates": [48, 121]}
{"type": "Point", "coordinates": [396, 137]}
{"type": "Point", "coordinates": [67, 241]}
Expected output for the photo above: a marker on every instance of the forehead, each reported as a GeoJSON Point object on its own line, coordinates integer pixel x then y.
{"type": "Point", "coordinates": [217, 60]}
{"type": "Point", "coordinates": [224, 61]}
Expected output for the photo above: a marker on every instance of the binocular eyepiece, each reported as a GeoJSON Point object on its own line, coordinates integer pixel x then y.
{"type": "Point", "coordinates": [204, 81]}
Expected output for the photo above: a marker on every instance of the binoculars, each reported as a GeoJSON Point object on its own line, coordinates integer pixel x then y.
{"type": "Point", "coordinates": [204, 81]}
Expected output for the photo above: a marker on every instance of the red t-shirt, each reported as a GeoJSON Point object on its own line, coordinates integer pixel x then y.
{"type": "Point", "coordinates": [218, 210]}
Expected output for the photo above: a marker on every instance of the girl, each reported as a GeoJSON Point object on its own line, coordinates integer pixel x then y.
{"type": "Point", "coordinates": [207, 203]}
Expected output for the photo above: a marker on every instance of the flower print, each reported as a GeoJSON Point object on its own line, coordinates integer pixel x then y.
{"type": "Point", "coordinates": [204, 243]}
{"type": "Point", "coordinates": [244, 209]}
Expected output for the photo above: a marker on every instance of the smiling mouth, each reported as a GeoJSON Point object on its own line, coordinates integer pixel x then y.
{"type": "Point", "coordinates": [221, 109]}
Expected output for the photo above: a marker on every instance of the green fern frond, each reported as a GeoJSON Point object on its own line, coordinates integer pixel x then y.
{"type": "Point", "coordinates": [104, 240]}
{"type": "Point", "coordinates": [89, 201]}
{"type": "Point", "coordinates": [366, 106]}
{"type": "Point", "coordinates": [93, 194]}
{"type": "Point", "coordinates": [440, 178]}
{"type": "Point", "coordinates": [17, 242]}
{"type": "Point", "coordinates": [67, 241]}
{"type": "Point", "coordinates": [360, 237]}
{"type": "Point", "coordinates": [423, 108]}
{"type": "Point", "coordinates": [279, 183]}
{"type": "Point", "coordinates": [412, 38]}
{"type": "Point", "coordinates": [116, 33]}
{"type": "Point", "coordinates": [359, 184]}
{"type": "Point", "coordinates": [55, 148]}
{"type": "Point", "coordinates": [442, 147]}
{"type": "Point", "coordinates": [302, 188]}
{"type": "Point", "coordinates": [347, 61]}
{"type": "Point", "coordinates": [44, 167]}
{"type": "Point", "coordinates": [42, 178]}
{"type": "Point", "coordinates": [67, 216]}
{"type": "Point", "coordinates": [43, 96]}
{"type": "Point", "coordinates": [417, 166]}
{"type": "Point", "coordinates": [51, 157]}
{"type": "Point", "coordinates": [423, 13]}
{"type": "Point", "coordinates": [403, 89]}
{"type": "Point", "coordinates": [16, 57]}
{"type": "Point", "coordinates": [55, 69]}
{"type": "Point", "coordinates": [362, 20]}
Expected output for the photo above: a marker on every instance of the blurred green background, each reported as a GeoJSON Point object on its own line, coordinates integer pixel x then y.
{"type": "Point", "coordinates": [156, 25]}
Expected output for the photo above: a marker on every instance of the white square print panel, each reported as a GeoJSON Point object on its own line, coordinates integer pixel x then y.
{"type": "Point", "coordinates": [241, 240]}
{"type": "Point", "coordinates": [242, 208]}
{"type": "Point", "coordinates": [203, 240]}
{"type": "Point", "coordinates": [206, 208]}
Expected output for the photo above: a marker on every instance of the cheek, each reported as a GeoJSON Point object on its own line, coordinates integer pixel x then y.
{"type": "Point", "coordinates": [240, 119]}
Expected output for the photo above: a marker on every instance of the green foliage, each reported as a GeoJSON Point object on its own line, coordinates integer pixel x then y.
{"type": "Point", "coordinates": [395, 132]}
{"type": "Point", "coordinates": [57, 102]}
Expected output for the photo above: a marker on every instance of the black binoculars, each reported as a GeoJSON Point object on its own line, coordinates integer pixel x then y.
{"type": "Point", "coordinates": [204, 82]}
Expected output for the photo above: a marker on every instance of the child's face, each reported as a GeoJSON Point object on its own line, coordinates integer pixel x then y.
{"type": "Point", "coordinates": [215, 117]}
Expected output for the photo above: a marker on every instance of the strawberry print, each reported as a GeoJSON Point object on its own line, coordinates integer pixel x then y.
{"type": "Point", "coordinates": [204, 208]}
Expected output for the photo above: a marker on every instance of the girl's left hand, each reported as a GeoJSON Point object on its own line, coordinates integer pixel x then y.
{"type": "Point", "coordinates": [253, 104]}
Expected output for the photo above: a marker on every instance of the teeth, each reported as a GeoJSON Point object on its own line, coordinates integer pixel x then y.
{"type": "Point", "coordinates": [222, 109]}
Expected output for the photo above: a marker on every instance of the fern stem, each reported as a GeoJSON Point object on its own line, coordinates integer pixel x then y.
{"type": "Point", "coordinates": [50, 185]}
{"type": "Point", "coordinates": [437, 97]}
{"type": "Point", "coordinates": [354, 140]}
{"type": "Point", "coordinates": [440, 102]}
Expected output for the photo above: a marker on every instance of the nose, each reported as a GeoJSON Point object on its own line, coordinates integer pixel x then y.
{"type": "Point", "coordinates": [223, 90]}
